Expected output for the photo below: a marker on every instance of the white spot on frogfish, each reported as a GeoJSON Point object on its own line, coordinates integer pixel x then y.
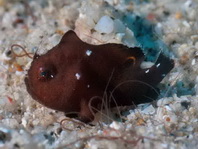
{"type": "Point", "coordinates": [158, 65]}
{"type": "Point", "coordinates": [88, 52]}
{"type": "Point", "coordinates": [147, 71]}
{"type": "Point", "coordinates": [77, 76]}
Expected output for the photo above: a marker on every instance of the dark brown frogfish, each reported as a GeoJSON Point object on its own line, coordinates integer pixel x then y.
{"type": "Point", "coordinates": [78, 77]}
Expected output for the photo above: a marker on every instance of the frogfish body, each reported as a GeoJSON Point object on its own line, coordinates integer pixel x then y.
{"type": "Point", "coordinates": [74, 76]}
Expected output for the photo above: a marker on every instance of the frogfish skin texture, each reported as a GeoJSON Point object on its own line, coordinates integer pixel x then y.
{"type": "Point", "coordinates": [75, 76]}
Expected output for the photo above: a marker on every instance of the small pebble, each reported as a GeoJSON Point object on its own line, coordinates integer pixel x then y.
{"type": "Point", "coordinates": [178, 15]}
{"type": "Point", "coordinates": [116, 125]}
{"type": "Point", "coordinates": [105, 25]}
{"type": "Point", "coordinates": [149, 110]}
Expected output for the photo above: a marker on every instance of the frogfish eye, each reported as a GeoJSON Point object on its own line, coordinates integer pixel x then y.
{"type": "Point", "coordinates": [46, 73]}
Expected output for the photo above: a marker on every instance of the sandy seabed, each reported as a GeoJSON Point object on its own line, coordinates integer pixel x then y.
{"type": "Point", "coordinates": [169, 26]}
